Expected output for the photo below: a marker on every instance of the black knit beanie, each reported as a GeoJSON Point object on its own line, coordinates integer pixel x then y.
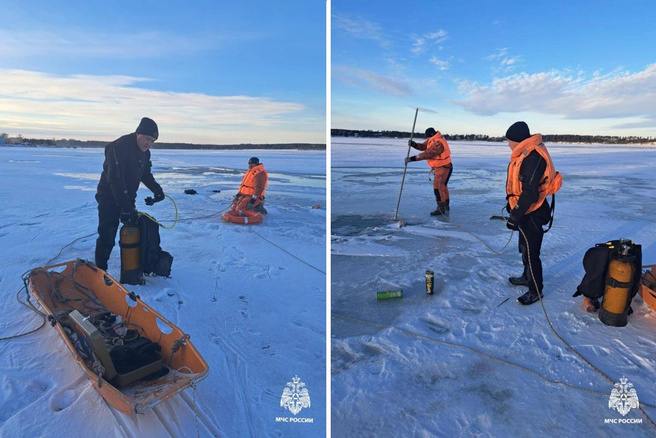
{"type": "Point", "coordinates": [430, 132]}
{"type": "Point", "coordinates": [253, 160]}
{"type": "Point", "coordinates": [518, 132]}
{"type": "Point", "coordinates": [148, 127]}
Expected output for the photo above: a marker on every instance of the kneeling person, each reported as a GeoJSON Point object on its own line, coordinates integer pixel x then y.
{"type": "Point", "coordinates": [253, 187]}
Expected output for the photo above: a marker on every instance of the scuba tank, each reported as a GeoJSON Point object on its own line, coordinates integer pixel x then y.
{"type": "Point", "coordinates": [130, 240]}
{"type": "Point", "coordinates": [619, 285]}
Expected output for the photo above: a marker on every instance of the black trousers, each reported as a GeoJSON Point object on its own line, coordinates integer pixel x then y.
{"type": "Point", "coordinates": [532, 229]}
{"type": "Point", "coordinates": [250, 206]}
{"type": "Point", "coordinates": [108, 220]}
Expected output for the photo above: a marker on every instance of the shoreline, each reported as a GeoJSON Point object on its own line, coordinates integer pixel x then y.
{"type": "Point", "coordinates": [173, 146]}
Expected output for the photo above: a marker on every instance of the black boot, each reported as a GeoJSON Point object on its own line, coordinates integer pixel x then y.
{"type": "Point", "coordinates": [530, 297]}
{"type": "Point", "coordinates": [442, 209]}
{"type": "Point", "coordinates": [438, 200]}
{"type": "Point", "coordinates": [518, 281]}
{"type": "Point", "coordinates": [591, 305]}
{"type": "Point", "coordinates": [103, 252]}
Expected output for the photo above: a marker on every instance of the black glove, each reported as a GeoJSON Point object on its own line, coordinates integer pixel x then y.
{"type": "Point", "coordinates": [412, 158]}
{"type": "Point", "coordinates": [256, 200]}
{"type": "Point", "coordinates": [513, 222]}
{"type": "Point", "coordinates": [411, 143]}
{"type": "Point", "coordinates": [130, 217]}
{"type": "Point", "coordinates": [158, 197]}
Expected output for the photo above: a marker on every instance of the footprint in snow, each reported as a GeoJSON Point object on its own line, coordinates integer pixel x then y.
{"type": "Point", "coordinates": [436, 325]}
{"type": "Point", "coordinates": [485, 336]}
{"type": "Point", "coordinates": [62, 400]}
{"type": "Point", "coordinates": [32, 391]}
{"type": "Point", "coordinates": [471, 328]}
{"type": "Point", "coordinates": [468, 306]}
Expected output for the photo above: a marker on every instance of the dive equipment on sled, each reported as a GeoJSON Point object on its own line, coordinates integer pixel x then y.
{"type": "Point", "coordinates": [648, 287]}
{"type": "Point", "coordinates": [124, 355]}
{"type": "Point", "coordinates": [79, 286]}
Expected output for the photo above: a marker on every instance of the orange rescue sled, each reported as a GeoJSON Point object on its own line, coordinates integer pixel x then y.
{"type": "Point", "coordinates": [240, 214]}
{"type": "Point", "coordinates": [245, 217]}
{"type": "Point", "coordinates": [80, 285]}
{"type": "Point", "coordinates": [648, 288]}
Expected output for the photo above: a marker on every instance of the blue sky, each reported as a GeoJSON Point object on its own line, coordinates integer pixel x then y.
{"type": "Point", "coordinates": [477, 66]}
{"type": "Point", "coordinates": [207, 71]}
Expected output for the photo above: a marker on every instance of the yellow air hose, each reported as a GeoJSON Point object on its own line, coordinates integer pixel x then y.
{"type": "Point", "coordinates": [175, 221]}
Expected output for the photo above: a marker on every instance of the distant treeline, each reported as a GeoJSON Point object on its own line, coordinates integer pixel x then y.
{"type": "Point", "coordinates": [564, 138]}
{"type": "Point", "coordinates": [101, 144]}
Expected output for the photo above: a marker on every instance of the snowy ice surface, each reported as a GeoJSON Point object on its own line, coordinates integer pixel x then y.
{"type": "Point", "coordinates": [255, 313]}
{"type": "Point", "coordinates": [463, 362]}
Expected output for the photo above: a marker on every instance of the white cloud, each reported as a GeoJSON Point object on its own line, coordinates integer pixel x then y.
{"type": "Point", "coordinates": [361, 28]}
{"type": "Point", "coordinates": [441, 64]}
{"type": "Point", "coordinates": [70, 42]}
{"type": "Point", "coordinates": [647, 122]}
{"type": "Point", "coordinates": [437, 37]}
{"type": "Point", "coordinates": [503, 62]}
{"type": "Point", "coordinates": [104, 107]}
{"type": "Point", "coordinates": [420, 43]}
{"type": "Point", "coordinates": [369, 79]}
{"type": "Point", "coordinates": [618, 95]}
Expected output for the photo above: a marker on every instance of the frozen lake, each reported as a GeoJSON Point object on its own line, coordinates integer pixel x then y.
{"type": "Point", "coordinates": [470, 360]}
{"type": "Point", "coordinates": [255, 312]}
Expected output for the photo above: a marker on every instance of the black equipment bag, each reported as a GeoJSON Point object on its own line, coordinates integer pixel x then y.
{"type": "Point", "coordinates": [135, 354]}
{"type": "Point", "coordinates": [153, 259]}
{"type": "Point", "coordinates": [595, 263]}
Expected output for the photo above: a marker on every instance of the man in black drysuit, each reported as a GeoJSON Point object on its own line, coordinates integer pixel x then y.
{"type": "Point", "coordinates": [531, 176]}
{"type": "Point", "coordinates": [127, 163]}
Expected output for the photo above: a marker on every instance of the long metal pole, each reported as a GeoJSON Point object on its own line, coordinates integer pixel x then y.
{"type": "Point", "coordinates": [405, 168]}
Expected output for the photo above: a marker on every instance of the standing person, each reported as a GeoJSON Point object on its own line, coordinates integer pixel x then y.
{"type": "Point", "coordinates": [253, 188]}
{"type": "Point", "coordinates": [531, 177]}
{"type": "Point", "coordinates": [127, 163]}
{"type": "Point", "coordinates": [438, 155]}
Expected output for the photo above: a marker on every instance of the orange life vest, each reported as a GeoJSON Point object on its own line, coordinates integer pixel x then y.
{"type": "Point", "coordinates": [248, 181]}
{"type": "Point", "coordinates": [442, 159]}
{"type": "Point", "coordinates": [551, 181]}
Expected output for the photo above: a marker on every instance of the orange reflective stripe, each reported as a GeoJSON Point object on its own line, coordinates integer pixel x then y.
{"type": "Point", "coordinates": [442, 159]}
{"type": "Point", "coordinates": [551, 180]}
